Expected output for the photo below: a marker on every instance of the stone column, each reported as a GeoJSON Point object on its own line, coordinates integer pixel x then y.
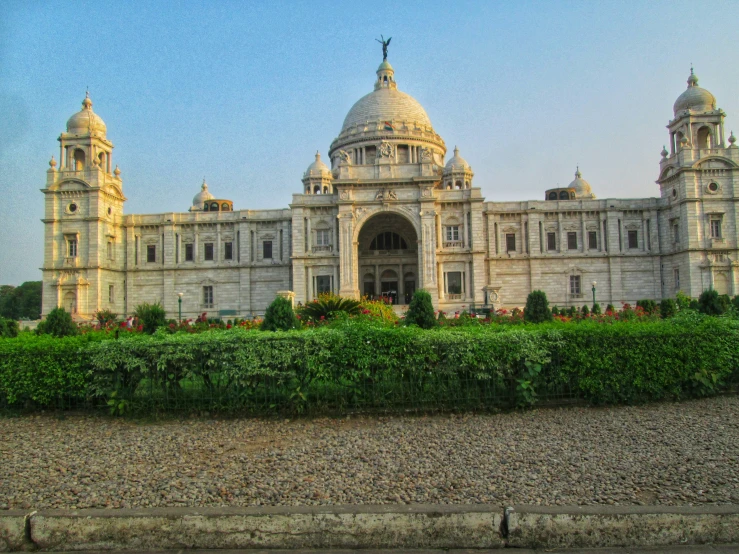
{"type": "Point", "coordinates": [217, 254]}
{"type": "Point", "coordinates": [347, 255]}
{"type": "Point", "coordinates": [427, 252]}
{"type": "Point", "coordinates": [377, 280]}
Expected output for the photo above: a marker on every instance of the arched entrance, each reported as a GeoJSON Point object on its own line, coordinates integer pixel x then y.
{"type": "Point", "coordinates": [388, 258]}
{"type": "Point", "coordinates": [70, 302]}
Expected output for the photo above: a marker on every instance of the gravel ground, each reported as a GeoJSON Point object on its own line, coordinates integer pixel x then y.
{"type": "Point", "coordinates": [683, 453]}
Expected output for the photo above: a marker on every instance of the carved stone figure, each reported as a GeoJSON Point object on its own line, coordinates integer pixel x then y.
{"type": "Point", "coordinates": [391, 195]}
{"type": "Point", "coordinates": [426, 154]}
{"type": "Point", "coordinates": [386, 150]}
{"type": "Point", "coordinates": [344, 157]}
{"type": "Point", "coordinates": [379, 195]}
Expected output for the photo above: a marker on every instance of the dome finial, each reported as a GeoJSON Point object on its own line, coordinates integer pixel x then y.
{"type": "Point", "coordinates": [52, 163]}
{"type": "Point", "coordinates": [693, 79]}
{"type": "Point", "coordinates": [664, 152]}
{"type": "Point", "coordinates": [456, 150]}
{"type": "Point", "coordinates": [577, 172]}
{"type": "Point", "coordinates": [732, 140]}
{"type": "Point", "coordinates": [318, 156]}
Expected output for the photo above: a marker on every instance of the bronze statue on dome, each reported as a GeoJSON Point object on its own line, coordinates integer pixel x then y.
{"type": "Point", "coordinates": [385, 44]}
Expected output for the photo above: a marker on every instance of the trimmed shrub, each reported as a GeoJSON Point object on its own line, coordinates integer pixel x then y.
{"type": "Point", "coordinates": [694, 305]}
{"type": "Point", "coordinates": [709, 303]}
{"type": "Point", "coordinates": [58, 323]}
{"type": "Point", "coordinates": [151, 316]}
{"type": "Point", "coordinates": [537, 308]}
{"type": "Point", "coordinates": [280, 316]}
{"type": "Point", "coordinates": [649, 306]}
{"type": "Point", "coordinates": [105, 317]}
{"type": "Point", "coordinates": [735, 302]}
{"type": "Point", "coordinates": [610, 308]}
{"type": "Point", "coordinates": [596, 309]}
{"type": "Point", "coordinates": [421, 310]}
{"type": "Point", "coordinates": [683, 301]}
{"type": "Point", "coordinates": [585, 310]}
{"type": "Point", "coordinates": [667, 308]}
{"type": "Point", "coordinates": [725, 302]}
{"type": "Point", "coordinates": [555, 310]}
{"type": "Point", "coordinates": [8, 328]}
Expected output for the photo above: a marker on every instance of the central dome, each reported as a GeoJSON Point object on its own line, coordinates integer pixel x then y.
{"type": "Point", "coordinates": [386, 104]}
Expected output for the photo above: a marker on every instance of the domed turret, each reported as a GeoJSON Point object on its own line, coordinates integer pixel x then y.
{"type": "Point", "coordinates": [86, 121]}
{"type": "Point", "coordinates": [317, 179]}
{"type": "Point", "coordinates": [694, 98]}
{"type": "Point", "coordinates": [457, 172]}
{"type": "Point", "coordinates": [581, 186]}
{"type": "Point", "coordinates": [200, 198]}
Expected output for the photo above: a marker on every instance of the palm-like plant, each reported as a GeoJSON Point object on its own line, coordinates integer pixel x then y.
{"type": "Point", "coordinates": [327, 306]}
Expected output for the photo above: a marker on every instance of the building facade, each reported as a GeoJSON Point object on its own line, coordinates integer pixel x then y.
{"type": "Point", "coordinates": [387, 216]}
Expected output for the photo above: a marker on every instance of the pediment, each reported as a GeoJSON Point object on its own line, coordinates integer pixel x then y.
{"type": "Point", "coordinates": [714, 162]}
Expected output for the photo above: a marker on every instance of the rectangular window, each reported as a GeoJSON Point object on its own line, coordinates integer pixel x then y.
{"type": "Point", "coordinates": [551, 241]}
{"type": "Point", "coordinates": [189, 248]}
{"type": "Point", "coordinates": [633, 239]}
{"type": "Point", "coordinates": [715, 228]}
{"type": "Point", "coordinates": [571, 241]}
{"type": "Point", "coordinates": [72, 248]}
{"type": "Point", "coordinates": [575, 285]}
{"type": "Point", "coordinates": [151, 253]}
{"type": "Point", "coordinates": [510, 242]}
{"type": "Point", "coordinates": [675, 233]}
{"type": "Point", "coordinates": [267, 249]}
{"type": "Point", "coordinates": [323, 284]}
{"type": "Point", "coordinates": [208, 296]}
{"type": "Point", "coordinates": [110, 250]}
{"type": "Point", "coordinates": [228, 251]}
{"type": "Point", "coordinates": [323, 237]}
{"type": "Point", "coordinates": [452, 233]}
{"type": "Point", "coordinates": [676, 273]}
{"type": "Point", "coordinates": [111, 293]}
{"type": "Point", "coordinates": [592, 240]}
{"type": "Point", "coordinates": [208, 252]}
{"type": "Point", "coordinates": [454, 282]}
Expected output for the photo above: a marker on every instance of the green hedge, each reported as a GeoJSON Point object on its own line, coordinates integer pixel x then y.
{"type": "Point", "coordinates": [364, 367]}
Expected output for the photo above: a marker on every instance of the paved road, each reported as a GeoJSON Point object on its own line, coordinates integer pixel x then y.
{"type": "Point", "coordinates": [704, 549]}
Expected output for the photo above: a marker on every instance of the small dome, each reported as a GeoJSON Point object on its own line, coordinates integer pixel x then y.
{"type": "Point", "coordinates": [317, 168]}
{"type": "Point", "coordinates": [385, 66]}
{"type": "Point", "coordinates": [86, 121]}
{"type": "Point", "coordinates": [581, 186]}
{"type": "Point", "coordinates": [694, 98]}
{"type": "Point", "coordinates": [457, 163]}
{"type": "Point", "coordinates": [202, 196]}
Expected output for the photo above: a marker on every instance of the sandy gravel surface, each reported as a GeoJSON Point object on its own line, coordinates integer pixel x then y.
{"type": "Point", "coordinates": [678, 454]}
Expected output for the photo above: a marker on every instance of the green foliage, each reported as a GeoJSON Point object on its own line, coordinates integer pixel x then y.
{"type": "Point", "coordinates": [8, 328]}
{"type": "Point", "coordinates": [151, 316]}
{"type": "Point", "coordinates": [694, 305]}
{"type": "Point", "coordinates": [555, 310]}
{"type": "Point", "coordinates": [442, 316]}
{"type": "Point", "coordinates": [735, 303]}
{"type": "Point", "coordinates": [280, 316]}
{"type": "Point", "coordinates": [667, 308]}
{"type": "Point", "coordinates": [421, 311]}
{"type": "Point", "coordinates": [328, 306]}
{"type": "Point", "coordinates": [610, 308]}
{"type": "Point", "coordinates": [585, 311]}
{"type": "Point", "coordinates": [22, 302]}
{"type": "Point", "coordinates": [596, 309]}
{"type": "Point", "coordinates": [725, 302]}
{"type": "Point", "coordinates": [537, 308]}
{"type": "Point", "coordinates": [709, 303]}
{"type": "Point", "coordinates": [526, 385]}
{"type": "Point", "coordinates": [58, 323]}
{"type": "Point", "coordinates": [649, 306]}
{"type": "Point", "coordinates": [683, 301]}
{"type": "Point", "coordinates": [105, 317]}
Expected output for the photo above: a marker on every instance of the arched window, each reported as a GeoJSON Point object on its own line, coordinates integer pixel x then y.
{"type": "Point", "coordinates": [206, 207]}
{"type": "Point", "coordinates": [325, 190]}
{"type": "Point", "coordinates": [679, 139]}
{"type": "Point", "coordinates": [552, 196]}
{"type": "Point", "coordinates": [224, 207]}
{"type": "Point", "coordinates": [388, 241]}
{"type": "Point", "coordinates": [214, 207]}
{"type": "Point", "coordinates": [101, 159]}
{"type": "Point", "coordinates": [307, 190]}
{"type": "Point", "coordinates": [564, 195]}
{"type": "Point", "coordinates": [466, 184]}
{"type": "Point", "coordinates": [79, 160]}
{"type": "Point", "coordinates": [317, 189]}
{"type": "Point", "coordinates": [704, 137]}
{"type": "Point", "coordinates": [458, 185]}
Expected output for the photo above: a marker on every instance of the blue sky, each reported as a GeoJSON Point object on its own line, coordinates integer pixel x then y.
{"type": "Point", "coordinates": [244, 93]}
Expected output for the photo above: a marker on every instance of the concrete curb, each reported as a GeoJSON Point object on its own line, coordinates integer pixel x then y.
{"type": "Point", "coordinates": [620, 526]}
{"type": "Point", "coordinates": [384, 527]}
{"type": "Point", "coordinates": [369, 527]}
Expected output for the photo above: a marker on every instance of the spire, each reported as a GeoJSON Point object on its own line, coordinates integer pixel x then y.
{"type": "Point", "coordinates": [87, 103]}
{"type": "Point", "coordinates": [693, 79]}
{"type": "Point", "coordinates": [577, 173]}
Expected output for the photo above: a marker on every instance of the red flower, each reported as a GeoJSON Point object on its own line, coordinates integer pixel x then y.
{"type": "Point", "coordinates": [228, 326]}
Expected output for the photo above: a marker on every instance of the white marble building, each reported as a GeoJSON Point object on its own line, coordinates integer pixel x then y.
{"type": "Point", "coordinates": [389, 216]}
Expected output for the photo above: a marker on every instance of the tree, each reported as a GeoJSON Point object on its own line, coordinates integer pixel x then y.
{"type": "Point", "coordinates": [421, 310]}
{"type": "Point", "coordinates": [667, 308]}
{"type": "Point", "coordinates": [328, 305]}
{"type": "Point", "coordinates": [58, 323]}
{"type": "Point", "coordinates": [151, 316]}
{"type": "Point", "coordinates": [8, 328]}
{"type": "Point", "coordinates": [709, 303]}
{"type": "Point", "coordinates": [21, 302]}
{"type": "Point", "coordinates": [537, 308]}
{"type": "Point", "coordinates": [280, 316]}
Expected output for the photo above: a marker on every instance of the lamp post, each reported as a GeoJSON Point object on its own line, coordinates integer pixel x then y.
{"type": "Point", "coordinates": [594, 283]}
{"type": "Point", "coordinates": [179, 304]}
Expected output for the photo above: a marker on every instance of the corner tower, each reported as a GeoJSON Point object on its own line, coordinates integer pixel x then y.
{"type": "Point", "coordinates": [83, 224]}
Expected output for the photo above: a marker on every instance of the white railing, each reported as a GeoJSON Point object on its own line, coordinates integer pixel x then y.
{"type": "Point", "coordinates": [323, 248]}
{"type": "Point", "coordinates": [453, 244]}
